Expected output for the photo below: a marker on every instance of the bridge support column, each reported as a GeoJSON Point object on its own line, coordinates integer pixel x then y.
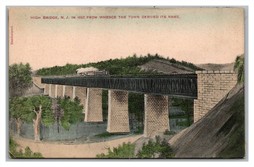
{"type": "Point", "coordinates": [93, 105]}
{"type": "Point", "coordinates": [68, 91]}
{"type": "Point", "coordinates": [73, 92]}
{"type": "Point", "coordinates": [156, 115]}
{"type": "Point", "coordinates": [60, 91]}
{"type": "Point", "coordinates": [81, 94]}
{"type": "Point", "coordinates": [212, 87]}
{"type": "Point", "coordinates": [63, 91]}
{"type": "Point", "coordinates": [52, 91]}
{"type": "Point", "coordinates": [56, 87]}
{"type": "Point", "coordinates": [118, 116]}
{"type": "Point", "coordinates": [46, 89]}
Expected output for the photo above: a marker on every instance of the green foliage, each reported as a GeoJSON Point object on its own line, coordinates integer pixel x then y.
{"type": "Point", "coordinates": [239, 67]}
{"type": "Point", "coordinates": [104, 135]}
{"type": "Point", "coordinates": [136, 105]}
{"type": "Point", "coordinates": [105, 104]}
{"type": "Point", "coordinates": [19, 79]}
{"type": "Point", "coordinates": [19, 108]}
{"type": "Point", "coordinates": [47, 115]}
{"type": "Point", "coordinates": [167, 132]}
{"type": "Point", "coordinates": [72, 112]}
{"type": "Point", "coordinates": [23, 108]}
{"type": "Point", "coordinates": [236, 140]}
{"type": "Point", "coordinates": [157, 149]}
{"type": "Point", "coordinates": [124, 151]}
{"type": "Point", "coordinates": [187, 106]}
{"type": "Point", "coordinates": [123, 66]}
{"type": "Point", "coordinates": [20, 154]}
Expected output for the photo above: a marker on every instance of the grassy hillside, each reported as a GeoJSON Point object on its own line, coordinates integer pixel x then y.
{"type": "Point", "coordinates": [217, 67]}
{"type": "Point", "coordinates": [124, 66]}
{"type": "Point", "coordinates": [219, 134]}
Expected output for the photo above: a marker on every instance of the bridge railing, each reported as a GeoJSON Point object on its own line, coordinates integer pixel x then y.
{"type": "Point", "coordinates": [180, 85]}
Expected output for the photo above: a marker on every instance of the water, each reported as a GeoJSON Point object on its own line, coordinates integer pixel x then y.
{"type": "Point", "coordinates": [178, 124]}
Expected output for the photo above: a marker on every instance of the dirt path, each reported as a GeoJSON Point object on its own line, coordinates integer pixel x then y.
{"type": "Point", "coordinates": [89, 150]}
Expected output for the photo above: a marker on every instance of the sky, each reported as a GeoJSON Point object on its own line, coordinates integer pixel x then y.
{"type": "Point", "coordinates": [79, 35]}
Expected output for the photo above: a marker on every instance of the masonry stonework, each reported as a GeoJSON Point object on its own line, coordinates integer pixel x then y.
{"type": "Point", "coordinates": [53, 91]}
{"type": "Point", "coordinates": [37, 81]}
{"type": "Point", "coordinates": [60, 90]}
{"type": "Point", "coordinates": [212, 87]}
{"type": "Point", "coordinates": [118, 116]}
{"type": "Point", "coordinates": [156, 114]}
{"type": "Point", "coordinates": [56, 88]}
{"type": "Point", "coordinates": [46, 89]}
{"type": "Point", "coordinates": [50, 86]}
{"type": "Point", "coordinates": [80, 92]}
{"type": "Point", "coordinates": [68, 91]}
{"type": "Point", "coordinates": [93, 106]}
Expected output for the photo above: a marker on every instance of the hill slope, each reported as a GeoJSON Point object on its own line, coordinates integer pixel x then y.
{"type": "Point", "coordinates": [217, 67]}
{"type": "Point", "coordinates": [132, 65]}
{"type": "Point", "coordinates": [219, 134]}
{"type": "Point", "coordinates": [165, 67]}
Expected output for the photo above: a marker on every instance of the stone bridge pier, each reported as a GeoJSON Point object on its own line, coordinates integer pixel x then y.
{"type": "Point", "coordinates": [59, 92]}
{"type": "Point", "coordinates": [212, 87]}
{"type": "Point", "coordinates": [81, 92]}
{"type": "Point", "coordinates": [68, 91]}
{"type": "Point", "coordinates": [93, 106]}
{"type": "Point", "coordinates": [118, 116]}
{"type": "Point", "coordinates": [156, 115]}
{"type": "Point", "coordinates": [46, 89]}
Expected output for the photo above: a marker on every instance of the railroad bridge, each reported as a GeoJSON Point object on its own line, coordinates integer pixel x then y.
{"type": "Point", "coordinates": [205, 87]}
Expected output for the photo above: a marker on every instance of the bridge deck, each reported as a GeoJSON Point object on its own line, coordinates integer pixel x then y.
{"type": "Point", "coordinates": [177, 85]}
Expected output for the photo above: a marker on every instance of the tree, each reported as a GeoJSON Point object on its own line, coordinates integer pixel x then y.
{"type": "Point", "coordinates": [40, 109]}
{"type": "Point", "coordinates": [58, 112]}
{"type": "Point", "coordinates": [72, 112]}
{"type": "Point", "coordinates": [239, 67]}
{"type": "Point", "coordinates": [19, 111]}
{"type": "Point", "coordinates": [19, 79]}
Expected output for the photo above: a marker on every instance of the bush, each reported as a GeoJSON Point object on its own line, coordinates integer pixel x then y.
{"type": "Point", "coordinates": [157, 149]}
{"type": "Point", "coordinates": [20, 154]}
{"type": "Point", "coordinates": [167, 132]}
{"type": "Point", "coordinates": [123, 151]}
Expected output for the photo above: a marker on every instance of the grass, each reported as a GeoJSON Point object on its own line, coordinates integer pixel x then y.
{"type": "Point", "coordinates": [107, 134]}
{"type": "Point", "coordinates": [126, 150]}
{"type": "Point", "coordinates": [153, 149]}
{"type": "Point", "coordinates": [236, 138]}
{"type": "Point", "coordinates": [21, 154]}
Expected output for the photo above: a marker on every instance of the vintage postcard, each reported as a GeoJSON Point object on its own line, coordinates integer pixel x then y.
{"type": "Point", "coordinates": [126, 82]}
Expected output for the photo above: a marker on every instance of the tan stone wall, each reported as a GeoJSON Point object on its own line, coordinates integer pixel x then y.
{"type": "Point", "coordinates": [37, 82]}
{"type": "Point", "coordinates": [50, 90]}
{"type": "Point", "coordinates": [156, 115]}
{"type": "Point", "coordinates": [80, 92]}
{"type": "Point", "coordinates": [59, 90]}
{"type": "Point", "coordinates": [212, 87]}
{"type": "Point", "coordinates": [46, 89]}
{"type": "Point", "coordinates": [93, 105]}
{"type": "Point", "coordinates": [118, 116]}
{"type": "Point", "coordinates": [68, 91]}
{"type": "Point", "coordinates": [53, 91]}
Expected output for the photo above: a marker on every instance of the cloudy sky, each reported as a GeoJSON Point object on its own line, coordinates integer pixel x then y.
{"type": "Point", "coordinates": [83, 35]}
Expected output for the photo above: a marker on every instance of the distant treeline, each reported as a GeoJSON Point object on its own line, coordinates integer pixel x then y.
{"type": "Point", "coordinates": [122, 66]}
